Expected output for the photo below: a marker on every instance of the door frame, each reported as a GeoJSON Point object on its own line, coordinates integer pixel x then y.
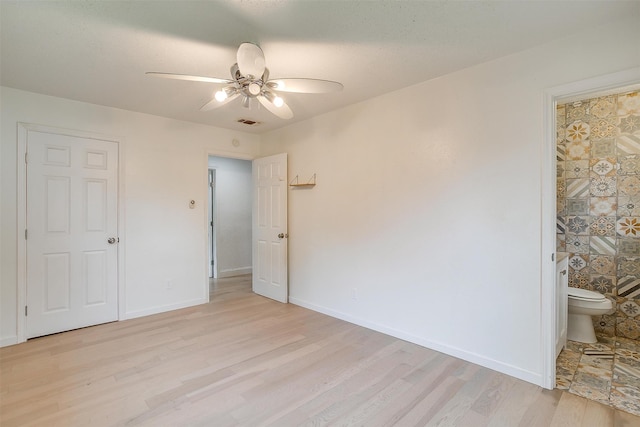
{"type": "Point", "coordinates": [21, 210]}
{"type": "Point", "coordinates": [227, 155]}
{"type": "Point", "coordinates": [211, 226]}
{"type": "Point", "coordinates": [582, 89]}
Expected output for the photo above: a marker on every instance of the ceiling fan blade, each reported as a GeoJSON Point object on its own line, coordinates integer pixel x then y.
{"type": "Point", "coordinates": [284, 112]}
{"type": "Point", "coordinates": [189, 77]}
{"type": "Point", "coordinates": [214, 103]}
{"type": "Point", "coordinates": [251, 60]}
{"type": "Point", "coordinates": [305, 85]}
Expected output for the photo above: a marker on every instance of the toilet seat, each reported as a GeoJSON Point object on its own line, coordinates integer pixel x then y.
{"type": "Point", "coordinates": [585, 295]}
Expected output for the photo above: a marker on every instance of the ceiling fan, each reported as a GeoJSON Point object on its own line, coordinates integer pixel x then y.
{"type": "Point", "coordinates": [250, 80]}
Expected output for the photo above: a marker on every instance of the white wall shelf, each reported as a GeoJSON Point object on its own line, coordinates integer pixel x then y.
{"type": "Point", "coordinates": [311, 182]}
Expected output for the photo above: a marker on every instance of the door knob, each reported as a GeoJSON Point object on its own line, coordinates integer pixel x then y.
{"type": "Point", "coordinates": [111, 240]}
{"type": "Point", "coordinates": [282, 235]}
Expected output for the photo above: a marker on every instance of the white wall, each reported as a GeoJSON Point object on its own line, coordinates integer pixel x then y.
{"type": "Point", "coordinates": [232, 215]}
{"type": "Point", "coordinates": [428, 203]}
{"type": "Point", "coordinates": [165, 166]}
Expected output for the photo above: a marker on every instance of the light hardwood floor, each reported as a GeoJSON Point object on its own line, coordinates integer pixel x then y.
{"type": "Point", "coordinates": [245, 360]}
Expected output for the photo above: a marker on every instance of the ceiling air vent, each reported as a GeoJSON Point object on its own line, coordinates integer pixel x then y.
{"type": "Point", "coordinates": [248, 122]}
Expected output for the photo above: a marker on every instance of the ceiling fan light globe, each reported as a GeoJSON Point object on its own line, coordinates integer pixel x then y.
{"type": "Point", "coordinates": [278, 102]}
{"type": "Point", "coordinates": [221, 95]}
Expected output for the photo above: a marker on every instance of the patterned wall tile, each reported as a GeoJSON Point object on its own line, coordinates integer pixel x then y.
{"type": "Point", "coordinates": [561, 152]}
{"type": "Point", "coordinates": [603, 148]}
{"type": "Point", "coordinates": [604, 167]}
{"type": "Point", "coordinates": [603, 226]}
{"type": "Point", "coordinates": [627, 307]}
{"type": "Point", "coordinates": [629, 287]}
{"type": "Point", "coordinates": [602, 245]}
{"type": "Point", "coordinates": [603, 206]}
{"type": "Point", "coordinates": [629, 247]}
{"type": "Point", "coordinates": [606, 285]}
{"type": "Point", "coordinates": [630, 124]}
{"type": "Point", "coordinates": [578, 262]}
{"type": "Point", "coordinates": [561, 227]}
{"type": "Point", "coordinates": [577, 244]}
{"type": "Point", "coordinates": [603, 128]}
{"type": "Point", "coordinates": [561, 245]}
{"type": "Point", "coordinates": [579, 187]}
{"type": "Point", "coordinates": [603, 186]}
{"type": "Point", "coordinates": [561, 170]}
{"type": "Point", "coordinates": [628, 328]}
{"type": "Point", "coordinates": [577, 150]}
{"type": "Point", "coordinates": [561, 115]}
{"type": "Point", "coordinates": [561, 135]}
{"type": "Point", "coordinates": [578, 224]}
{"type": "Point", "coordinates": [628, 144]}
{"type": "Point", "coordinates": [561, 188]}
{"type": "Point", "coordinates": [629, 185]}
{"type": "Point", "coordinates": [629, 104]}
{"type": "Point", "coordinates": [629, 205]}
{"type": "Point", "coordinates": [579, 279]}
{"type": "Point", "coordinates": [603, 265]}
{"type": "Point", "coordinates": [578, 111]}
{"type": "Point", "coordinates": [603, 107]}
{"type": "Point", "coordinates": [578, 131]}
{"type": "Point", "coordinates": [577, 169]}
{"type": "Point", "coordinates": [629, 165]}
{"type": "Point", "coordinates": [561, 207]}
{"type": "Point", "coordinates": [628, 226]}
{"type": "Point", "coordinates": [577, 206]}
{"type": "Point", "coordinates": [629, 266]}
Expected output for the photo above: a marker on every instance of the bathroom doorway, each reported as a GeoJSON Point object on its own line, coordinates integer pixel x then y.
{"type": "Point", "coordinates": [597, 173]}
{"type": "Point", "coordinates": [583, 89]}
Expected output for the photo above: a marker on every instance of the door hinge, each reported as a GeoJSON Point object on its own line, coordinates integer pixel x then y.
{"type": "Point", "coordinates": [25, 310]}
{"type": "Point", "coordinates": [25, 234]}
{"type": "Point", "coordinates": [553, 257]}
{"type": "Point", "coordinates": [26, 157]}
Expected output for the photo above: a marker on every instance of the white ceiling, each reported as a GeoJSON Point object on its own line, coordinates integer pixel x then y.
{"type": "Point", "coordinates": [99, 51]}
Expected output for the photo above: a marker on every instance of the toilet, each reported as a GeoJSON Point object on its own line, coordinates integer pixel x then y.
{"type": "Point", "coordinates": [582, 305]}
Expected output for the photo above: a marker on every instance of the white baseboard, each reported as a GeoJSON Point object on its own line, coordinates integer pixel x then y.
{"type": "Point", "coordinates": [164, 308]}
{"type": "Point", "coordinates": [230, 272]}
{"type": "Point", "coordinates": [7, 341]}
{"type": "Point", "coordinates": [478, 359]}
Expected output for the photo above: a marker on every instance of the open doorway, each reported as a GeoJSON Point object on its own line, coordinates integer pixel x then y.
{"type": "Point", "coordinates": [230, 207]}
{"type": "Point", "coordinates": [576, 90]}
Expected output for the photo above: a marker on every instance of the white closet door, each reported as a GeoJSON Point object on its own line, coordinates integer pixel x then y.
{"type": "Point", "coordinates": [72, 242]}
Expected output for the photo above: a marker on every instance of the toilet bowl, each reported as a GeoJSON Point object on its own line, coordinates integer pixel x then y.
{"type": "Point", "coordinates": [582, 305]}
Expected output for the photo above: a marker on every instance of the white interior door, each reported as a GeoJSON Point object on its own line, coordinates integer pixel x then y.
{"type": "Point", "coordinates": [72, 239]}
{"type": "Point", "coordinates": [270, 274]}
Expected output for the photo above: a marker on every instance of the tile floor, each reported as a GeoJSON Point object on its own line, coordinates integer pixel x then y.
{"type": "Point", "coordinates": [607, 372]}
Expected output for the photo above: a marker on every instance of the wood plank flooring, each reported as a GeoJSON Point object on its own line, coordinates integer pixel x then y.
{"type": "Point", "coordinates": [245, 360]}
